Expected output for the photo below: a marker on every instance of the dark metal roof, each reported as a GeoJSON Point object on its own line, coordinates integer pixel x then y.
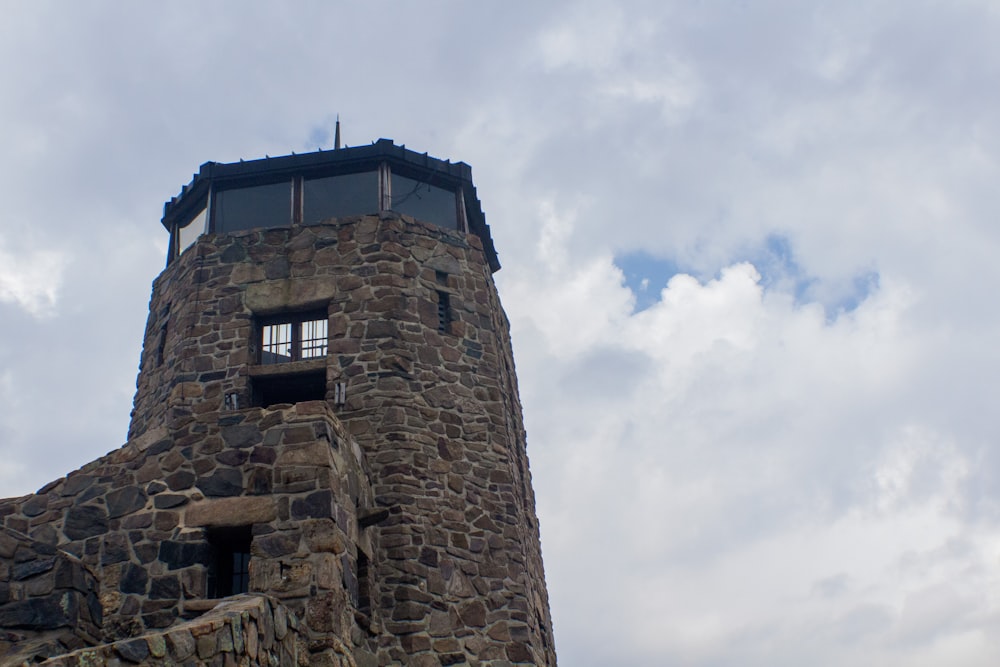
{"type": "Point", "coordinates": [194, 195]}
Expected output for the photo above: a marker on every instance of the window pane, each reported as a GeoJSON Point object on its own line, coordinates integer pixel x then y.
{"type": "Point", "coordinates": [241, 573]}
{"type": "Point", "coordinates": [336, 196]}
{"type": "Point", "coordinates": [190, 233]}
{"type": "Point", "coordinates": [276, 343]}
{"type": "Point", "coordinates": [314, 339]}
{"type": "Point", "coordinates": [256, 206]}
{"type": "Point", "coordinates": [424, 202]}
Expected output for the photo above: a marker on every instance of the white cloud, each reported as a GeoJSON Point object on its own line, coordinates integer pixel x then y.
{"type": "Point", "coordinates": [745, 472]}
{"type": "Point", "coordinates": [31, 279]}
{"type": "Point", "coordinates": [592, 37]}
{"type": "Point", "coordinates": [756, 449]}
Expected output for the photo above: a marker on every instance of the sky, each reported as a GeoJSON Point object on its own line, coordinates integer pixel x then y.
{"type": "Point", "coordinates": [749, 260]}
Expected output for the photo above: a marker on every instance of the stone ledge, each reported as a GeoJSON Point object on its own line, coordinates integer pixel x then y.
{"type": "Point", "coordinates": [289, 367]}
{"type": "Point", "coordinates": [237, 511]}
{"type": "Point", "coordinates": [244, 629]}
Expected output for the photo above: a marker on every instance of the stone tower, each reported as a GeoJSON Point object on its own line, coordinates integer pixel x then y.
{"type": "Point", "coordinates": [326, 431]}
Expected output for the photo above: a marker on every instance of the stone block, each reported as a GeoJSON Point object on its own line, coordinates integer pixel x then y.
{"type": "Point", "coordinates": [259, 481]}
{"type": "Point", "coordinates": [180, 480]}
{"type": "Point", "coordinates": [314, 506]}
{"type": "Point", "coordinates": [39, 586]}
{"type": "Point", "coordinates": [145, 552]}
{"type": "Point", "coordinates": [44, 613]}
{"type": "Point", "coordinates": [154, 487]}
{"type": "Point", "coordinates": [231, 511]}
{"type": "Point", "coordinates": [499, 631]}
{"type": "Point", "coordinates": [278, 544]}
{"type": "Point", "coordinates": [265, 455]}
{"type": "Point", "coordinates": [31, 568]}
{"type": "Point", "coordinates": [473, 613]}
{"type": "Point", "coordinates": [410, 611]}
{"type": "Point", "coordinates": [157, 645]}
{"type": "Point", "coordinates": [85, 521]}
{"type": "Point", "coordinates": [35, 505]}
{"type": "Point", "coordinates": [226, 482]}
{"type": "Point", "coordinates": [114, 549]}
{"type": "Point", "coordinates": [135, 650]}
{"type": "Point", "coordinates": [168, 500]}
{"type": "Point", "coordinates": [206, 646]}
{"type": "Point", "coordinates": [518, 652]}
{"type": "Point", "coordinates": [181, 643]}
{"type": "Point", "coordinates": [165, 588]}
{"type": "Point", "coordinates": [232, 457]}
{"type": "Point", "coordinates": [76, 484]}
{"type": "Point", "coordinates": [8, 545]}
{"type": "Point", "coordinates": [176, 555]}
{"type": "Point", "coordinates": [165, 521]}
{"type": "Point", "coordinates": [441, 623]}
{"type": "Point", "coordinates": [313, 454]}
{"type": "Point", "coordinates": [415, 643]}
{"type": "Point", "coordinates": [327, 571]}
{"type": "Point", "coordinates": [322, 613]}
{"type": "Point", "coordinates": [125, 501]}
{"type": "Point", "coordinates": [241, 436]}
{"type": "Point", "coordinates": [133, 579]}
{"type": "Point", "coordinates": [321, 535]}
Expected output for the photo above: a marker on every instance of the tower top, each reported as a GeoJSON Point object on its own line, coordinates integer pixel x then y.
{"type": "Point", "coordinates": [307, 188]}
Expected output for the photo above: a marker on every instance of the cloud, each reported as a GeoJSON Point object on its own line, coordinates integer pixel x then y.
{"type": "Point", "coordinates": [31, 280]}
{"type": "Point", "coordinates": [781, 450]}
{"type": "Point", "coordinates": [735, 444]}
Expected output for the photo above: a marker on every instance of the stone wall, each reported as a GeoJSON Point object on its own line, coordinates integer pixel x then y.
{"type": "Point", "coordinates": [436, 412]}
{"type": "Point", "coordinates": [142, 516]}
{"type": "Point", "coordinates": [243, 630]}
{"type": "Point", "coordinates": [397, 523]}
{"type": "Point", "coordinates": [48, 600]}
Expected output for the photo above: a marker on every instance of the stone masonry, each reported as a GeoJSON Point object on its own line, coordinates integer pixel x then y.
{"type": "Point", "coordinates": [243, 630]}
{"type": "Point", "coordinates": [389, 517]}
{"type": "Point", "coordinates": [139, 519]}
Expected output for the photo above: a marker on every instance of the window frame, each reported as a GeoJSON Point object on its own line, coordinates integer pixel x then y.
{"type": "Point", "coordinates": [296, 323]}
{"type": "Point", "coordinates": [229, 565]}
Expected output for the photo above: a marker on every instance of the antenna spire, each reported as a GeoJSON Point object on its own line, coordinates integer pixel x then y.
{"type": "Point", "coordinates": [336, 135]}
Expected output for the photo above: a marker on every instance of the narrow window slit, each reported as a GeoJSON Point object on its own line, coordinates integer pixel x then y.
{"type": "Point", "coordinates": [161, 344]}
{"type": "Point", "coordinates": [444, 312]}
{"type": "Point", "coordinates": [364, 585]}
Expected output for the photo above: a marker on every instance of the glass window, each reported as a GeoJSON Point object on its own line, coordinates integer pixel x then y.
{"type": "Point", "coordinates": [313, 339]}
{"type": "Point", "coordinates": [276, 343]}
{"type": "Point", "coordinates": [252, 207]}
{"type": "Point", "coordinates": [424, 202]}
{"type": "Point", "coordinates": [337, 196]}
{"type": "Point", "coordinates": [293, 339]}
{"type": "Point", "coordinates": [229, 569]}
{"type": "Point", "coordinates": [189, 233]}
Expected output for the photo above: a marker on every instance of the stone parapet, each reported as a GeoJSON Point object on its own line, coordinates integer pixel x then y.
{"type": "Point", "coordinates": [243, 630]}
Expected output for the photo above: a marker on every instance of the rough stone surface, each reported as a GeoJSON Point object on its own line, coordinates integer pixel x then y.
{"type": "Point", "coordinates": [252, 614]}
{"type": "Point", "coordinates": [449, 572]}
{"type": "Point", "coordinates": [48, 601]}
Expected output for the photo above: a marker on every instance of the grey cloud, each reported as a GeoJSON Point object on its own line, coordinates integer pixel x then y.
{"type": "Point", "coordinates": [861, 136]}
